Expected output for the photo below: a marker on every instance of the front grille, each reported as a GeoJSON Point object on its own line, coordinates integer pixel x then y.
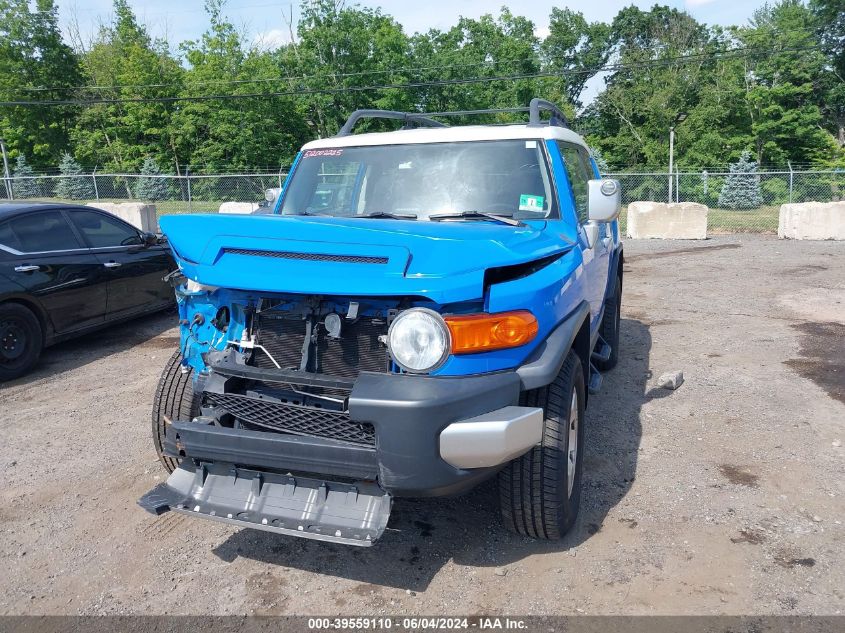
{"type": "Point", "coordinates": [311, 257]}
{"type": "Point", "coordinates": [358, 348]}
{"type": "Point", "coordinates": [294, 419]}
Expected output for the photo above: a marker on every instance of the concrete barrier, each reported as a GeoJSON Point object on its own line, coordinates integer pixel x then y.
{"type": "Point", "coordinates": [681, 221]}
{"type": "Point", "coordinates": [141, 215]}
{"type": "Point", "coordinates": [238, 207]}
{"type": "Point", "coordinates": [812, 221]}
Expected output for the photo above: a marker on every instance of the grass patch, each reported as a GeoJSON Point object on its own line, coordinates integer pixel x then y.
{"type": "Point", "coordinates": [719, 221]}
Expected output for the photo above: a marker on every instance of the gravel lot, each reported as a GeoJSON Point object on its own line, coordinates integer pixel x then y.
{"type": "Point", "coordinates": [725, 496]}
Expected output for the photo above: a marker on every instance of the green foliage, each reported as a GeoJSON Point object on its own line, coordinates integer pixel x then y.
{"type": "Point", "coordinates": [74, 186]}
{"type": "Point", "coordinates": [786, 120]}
{"type": "Point", "coordinates": [775, 85]}
{"type": "Point", "coordinates": [33, 55]}
{"type": "Point", "coordinates": [118, 136]}
{"type": "Point", "coordinates": [25, 188]}
{"type": "Point", "coordinates": [742, 187]}
{"type": "Point", "coordinates": [151, 186]}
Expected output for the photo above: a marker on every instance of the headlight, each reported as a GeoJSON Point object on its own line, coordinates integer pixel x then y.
{"type": "Point", "coordinates": [193, 287]}
{"type": "Point", "coordinates": [418, 340]}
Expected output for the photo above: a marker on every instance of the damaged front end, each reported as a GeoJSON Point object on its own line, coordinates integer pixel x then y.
{"type": "Point", "coordinates": [275, 376]}
{"type": "Point", "coordinates": [303, 423]}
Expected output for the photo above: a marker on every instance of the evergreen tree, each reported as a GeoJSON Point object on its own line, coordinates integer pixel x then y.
{"type": "Point", "coordinates": [151, 185]}
{"type": "Point", "coordinates": [25, 188]}
{"type": "Point", "coordinates": [73, 186]}
{"type": "Point", "coordinates": [741, 189]}
{"type": "Point", "coordinates": [601, 163]}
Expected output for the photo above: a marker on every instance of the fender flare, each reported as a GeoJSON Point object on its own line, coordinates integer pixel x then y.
{"type": "Point", "coordinates": [545, 362]}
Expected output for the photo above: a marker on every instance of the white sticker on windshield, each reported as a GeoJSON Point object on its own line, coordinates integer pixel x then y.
{"type": "Point", "coordinates": [530, 144]}
{"type": "Point", "coordinates": [530, 203]}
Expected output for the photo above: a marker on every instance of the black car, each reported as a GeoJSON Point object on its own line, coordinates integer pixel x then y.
{"type": "Point", "coordinates": [66, 270]}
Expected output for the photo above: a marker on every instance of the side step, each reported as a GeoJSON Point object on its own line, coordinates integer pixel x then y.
{"type": "Point", "coordinates": [602, 351]}
{"type": "Point", "coordinates": [595, 381]}
{"type": "Point", "coordinates": [351, 514]}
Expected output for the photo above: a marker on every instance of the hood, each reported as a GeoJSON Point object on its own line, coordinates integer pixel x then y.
{"type": "Point", "coordinates": [444, 261]}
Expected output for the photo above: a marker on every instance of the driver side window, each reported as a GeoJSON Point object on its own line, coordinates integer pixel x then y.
{"type": "Point", "coordinates": [102, 231]}
{"type": "Point", "coordinates": [579, 173]}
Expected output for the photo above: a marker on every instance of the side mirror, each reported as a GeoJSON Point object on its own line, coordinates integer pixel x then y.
{"type": "Point", "coordinates": [149, 239]}
{"type": "Point", "coordinates": [604, 201]}
{"type": "Point", "coordinates": [270, 195]}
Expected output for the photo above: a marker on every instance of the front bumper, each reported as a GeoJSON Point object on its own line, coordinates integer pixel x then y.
{"type": "Point", "coordinates": [434, 436]}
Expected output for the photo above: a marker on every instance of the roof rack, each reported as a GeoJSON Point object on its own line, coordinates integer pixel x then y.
{"type": "Point", "coordinates": [557, 117]}
{"type": "Point", "coordinates": [409, 119]}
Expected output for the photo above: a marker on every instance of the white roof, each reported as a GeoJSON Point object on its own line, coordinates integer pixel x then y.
{"type": "Point", "coordinates": [450, 135]}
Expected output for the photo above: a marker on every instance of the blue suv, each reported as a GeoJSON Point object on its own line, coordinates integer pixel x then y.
{"type": "Point", "coordinates": [422, 310]}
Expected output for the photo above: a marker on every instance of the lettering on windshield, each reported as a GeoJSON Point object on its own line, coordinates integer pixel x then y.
{"type": "Point", "coordinates": [313, 153]}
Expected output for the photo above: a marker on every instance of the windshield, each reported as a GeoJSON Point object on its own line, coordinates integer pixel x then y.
{"type": "Point", "coordinates": [509, 178]}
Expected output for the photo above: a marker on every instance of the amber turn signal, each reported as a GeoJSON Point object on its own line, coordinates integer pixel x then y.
{"type": "Point", "coordinates": [486, 332]}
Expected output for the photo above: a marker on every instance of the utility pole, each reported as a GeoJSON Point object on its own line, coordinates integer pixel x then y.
{"type": "Point", "coordinates": [671, 158]}
{"type": "Point", "coordinates": [678, 119]}
{"type": "Point", "coordinates": [6, 175]}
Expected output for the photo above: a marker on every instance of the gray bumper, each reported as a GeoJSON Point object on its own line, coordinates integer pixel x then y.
{"type": "Point", "coordinates": [492, 438]}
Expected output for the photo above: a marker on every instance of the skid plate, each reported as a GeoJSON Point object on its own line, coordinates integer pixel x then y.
{"type": "Point", "coordinates": [348, 513]}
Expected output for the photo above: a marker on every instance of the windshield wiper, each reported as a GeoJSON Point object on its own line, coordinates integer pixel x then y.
{"type": "Point", "coordinates": [478, 215]}
{"type": "Point", "coordinates": [385, 214]}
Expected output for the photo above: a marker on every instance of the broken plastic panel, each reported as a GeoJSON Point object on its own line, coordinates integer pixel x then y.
{"type": "Point", "coordinates": [348, 513]}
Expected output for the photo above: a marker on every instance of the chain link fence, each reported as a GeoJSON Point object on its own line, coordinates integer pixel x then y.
{"type": "Point", "coordinates": [192, 193]}
{"type": "Point", "coordinates": [754, 209]}
{"type": "Point", "coordinates": [759, 204]}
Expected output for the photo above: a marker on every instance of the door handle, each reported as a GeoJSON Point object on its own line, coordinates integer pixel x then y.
{"type": "Point", "coordinates": [111, 264]}
{"type": "Point", "coordinates": [26, 268]}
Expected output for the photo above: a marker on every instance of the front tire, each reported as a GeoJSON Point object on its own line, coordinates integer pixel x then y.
{"type": "Point", "coordinates": [540, 492]}
{"type": "Point", "coordinates": [21, 340]}
{"type": "Point", "coordinates": [174, 401]}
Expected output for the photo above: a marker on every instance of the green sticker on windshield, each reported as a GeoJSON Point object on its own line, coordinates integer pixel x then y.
{"type": "Point", "coordinates": [530, 203]}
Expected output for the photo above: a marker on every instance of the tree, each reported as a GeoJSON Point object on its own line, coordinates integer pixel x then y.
{"type": "Point", "coordinates": [601, 163]}
{"type": "Point", "coordinates": [151, 186]}
{"type": "Point", "coordinates": [488, 47]}
{"type": "Point", "coordinates": [575, 48]}
{"type": "Point", "coordinates": [784, 77]}
{"type": "Point", "coordinates": [22, 185]}
{"type": "Point", "coordinates": [73, 186]}
{"type": "Point", "coordinates": [119, 135]}
{"type": "Point", "coordinates": [235, 133]}
{"type": "Point", "coordinates": [629, 121]}
{"type": "Point", "coordinates": [342, 49]}
{"type": "Point", "coordinates": [830, 28]}
{"type": "Point", "coordinates": [34, 57]}
{"type": "Point", "coordinates": [741, 189]}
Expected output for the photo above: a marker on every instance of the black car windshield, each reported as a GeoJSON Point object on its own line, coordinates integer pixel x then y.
{"type": "Point", "coordinates": [507, 178]}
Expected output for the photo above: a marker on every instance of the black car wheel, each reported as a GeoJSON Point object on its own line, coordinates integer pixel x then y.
{"type": "Point", "coordinates": [21, 340]}
{"type": "Point", "coordinates": [540, 492]}
{"type": "Point", "coordinates": [174, 401]}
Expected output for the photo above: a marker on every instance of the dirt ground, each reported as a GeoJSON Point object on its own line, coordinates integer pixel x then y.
{"type": "Point", "coordinates": [726, 496]}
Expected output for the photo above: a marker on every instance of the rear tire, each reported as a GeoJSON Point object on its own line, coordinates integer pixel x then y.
{"type": "Point", "coordinates": [540, 492]}
{"type": "Point", "coordinates": [174, 401]}
{"type": "Point", "coordinates": [21, 340]}
{"type": "Point", "coordinates": [609, 329]}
